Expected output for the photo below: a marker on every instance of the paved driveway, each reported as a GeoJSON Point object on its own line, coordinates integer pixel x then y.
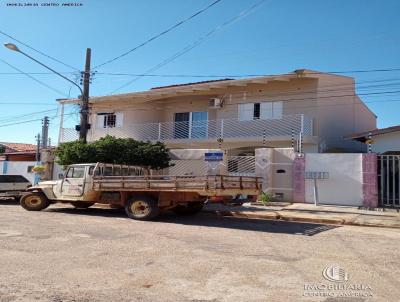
{"type": "Point", "coordinates": [63, 254]}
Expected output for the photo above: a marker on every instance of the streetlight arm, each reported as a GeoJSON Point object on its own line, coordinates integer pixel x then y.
{"type": "Point", "coordinates": [65, 78]}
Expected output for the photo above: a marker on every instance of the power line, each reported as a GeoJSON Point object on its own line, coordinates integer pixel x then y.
{"type": "Point", "coordinates": [160, 34]}
{"type": "Point", "coordinates": [35, 73]}
{"type": "Point", "coordinates": [237, 75]}
{"type": "Point", "coordinates": [38, 51]}
{"type": "Point", "coordinates": [291, 107]}
{"type": "Point", "coordinates": [26, 103]}
{"type": "Point", "coordinates": [332, 98]}
{"type": "Point", "coordinates": [196, 43]}
{"type": "Point", "coordinates": [30, 114]}
{"type": "Point", "coordinates": [323, 105]}
{"type": "Point", "coordinates": [203, 75]}
{"type": "Point", "coordinates": [33, 78]}
{"type": "Point", "coordinates": [338, 88]}
{"type": "Point", "coordinates": [30, 121]}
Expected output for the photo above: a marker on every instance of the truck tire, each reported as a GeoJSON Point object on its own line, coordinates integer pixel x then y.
{"type": "Point", "coordinates": [142, 208]}
{"type": "Point", "coordinates": [82, 204]}
{"type": "Point", "coordinates": [34, 201]}
{"type": "Point", "coordinates": [192, 208]}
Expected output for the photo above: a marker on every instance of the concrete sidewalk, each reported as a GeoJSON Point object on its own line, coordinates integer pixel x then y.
{"type": "Point", "coordinates": [324, 214]}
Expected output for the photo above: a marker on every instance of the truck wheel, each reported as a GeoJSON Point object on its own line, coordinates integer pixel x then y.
{"type": "Point", "coordinates": [34, 201]}
{"type": "Point", "coordinates": [191, 208]}
{"type": "Point", "coordinates": [82, 204]}
{"type": "Point", "coordinates": [142, 208]}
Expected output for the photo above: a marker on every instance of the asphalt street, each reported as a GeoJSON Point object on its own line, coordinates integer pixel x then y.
{"type": "Point", "coordinates": [64, 254]}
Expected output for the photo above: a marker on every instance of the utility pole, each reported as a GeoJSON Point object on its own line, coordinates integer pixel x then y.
{"type": "Point", "coordinates": [45, 131]}
{"type": "Point", "coordinates": [85, 98]}
{"type": "Point", "coordinates": [37, 147]}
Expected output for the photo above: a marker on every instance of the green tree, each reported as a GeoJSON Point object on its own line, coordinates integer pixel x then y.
{"type": "Point", "coordinates": [114, 150]}
{"type": "Point", "coordinates": [2, 149]}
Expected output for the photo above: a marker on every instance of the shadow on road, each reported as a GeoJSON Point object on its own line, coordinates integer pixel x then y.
{"type": "Point", "coordinates": [9, 202]}
{"type": "Point", "coordinates": [214, 221]}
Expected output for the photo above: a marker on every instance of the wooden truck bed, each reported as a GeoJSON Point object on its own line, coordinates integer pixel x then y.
{"type": "Point", "coordinates": [218, 185]}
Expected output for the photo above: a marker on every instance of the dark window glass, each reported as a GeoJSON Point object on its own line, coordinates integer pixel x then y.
{"type": "Point", "coordinates": [107, 171]}
{"type": "Point", "coordinates": [256, 114]}
{"type": "Point", "coordinates": [91, 168]}
{"type": "Point", "coordinates": [110, 120]}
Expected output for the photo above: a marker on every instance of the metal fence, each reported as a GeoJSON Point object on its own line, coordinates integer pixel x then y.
{"type": "Point", "coordinates": [389, 180]}
{"type": "Point", "coordinates": [242, 165]}
{"type": "Point", "coordinates": [187, 167]}
{"type": "Point", "coordinates": [202, 130]}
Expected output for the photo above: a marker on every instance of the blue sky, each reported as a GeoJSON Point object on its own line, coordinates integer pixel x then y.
{"type": "Point", "coordinates": [278, 37]}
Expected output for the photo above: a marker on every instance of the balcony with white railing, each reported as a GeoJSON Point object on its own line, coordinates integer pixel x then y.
{"type": "Point", "coordinates": [227, 129]}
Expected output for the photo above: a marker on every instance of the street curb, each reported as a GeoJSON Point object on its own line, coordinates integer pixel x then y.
{"type": "Point", "coordinates": [278, 216]}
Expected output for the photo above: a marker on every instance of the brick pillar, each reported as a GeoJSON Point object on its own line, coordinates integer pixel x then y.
{"type": "Point", "coordinates": [370, 180]}
{"type": "Point", "coordinates": [299, 182]}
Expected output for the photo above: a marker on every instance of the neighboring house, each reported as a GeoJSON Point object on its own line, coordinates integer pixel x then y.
{"type": "Point", "coordinates": [18, 159]}
{"type": "Point", "coordinates": [17, 152]}
{"type": "Point", "coordinates": [383, 141]}
{"type": "Point", "coordinates": [237, 115]}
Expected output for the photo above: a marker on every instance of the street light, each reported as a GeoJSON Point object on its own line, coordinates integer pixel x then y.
{"type": "Point", "coordinates": [15, 48]}
{"type": "Point", "coordinates": [84, 97]}
{"type": "Point", "coordinates": [12, 46]}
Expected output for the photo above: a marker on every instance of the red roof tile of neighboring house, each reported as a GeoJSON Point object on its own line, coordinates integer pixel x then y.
{"type": "Point", "coordinates": [18, 147]}
{"type": "Point", "coordinates": [194, 83]}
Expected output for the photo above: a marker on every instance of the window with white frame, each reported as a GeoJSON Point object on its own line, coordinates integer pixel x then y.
{"type": "Point", "coordinates": [260, 110]}
{"type": "Point", "coordinates": [191, 124]}
{"type": "Point", "coordinates": [109, 120]}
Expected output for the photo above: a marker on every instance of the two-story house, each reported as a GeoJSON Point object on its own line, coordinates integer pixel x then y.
{"type": "Point", "coordinates": [238, 115]}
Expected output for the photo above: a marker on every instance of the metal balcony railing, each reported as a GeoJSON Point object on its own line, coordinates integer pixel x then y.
{"type": "Point", "coordinates": [204, 130]}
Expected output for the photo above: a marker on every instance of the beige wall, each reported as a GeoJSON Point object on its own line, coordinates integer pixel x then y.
{"type": "Point", "coordinates": [298, 96]}
{"type": "Point", "coordinates": [317, 96]}
{"type": "Point", "coordinates": [276, 168]}
{"type": "Point", "coordinates": [386, 142]}
{"type": "Point", "coordinates": [340, 113]}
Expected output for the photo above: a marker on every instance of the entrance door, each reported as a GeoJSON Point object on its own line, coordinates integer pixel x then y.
{"type": "Point", "coordinates": [74, 182]}
{"type": "Point", "coordinates": [181, 125]}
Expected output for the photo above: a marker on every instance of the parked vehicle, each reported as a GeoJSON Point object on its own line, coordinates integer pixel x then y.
{"type": "Point", "coordinates": [11, 186]}
{"type": "Point", "coordinates": [142, 194]}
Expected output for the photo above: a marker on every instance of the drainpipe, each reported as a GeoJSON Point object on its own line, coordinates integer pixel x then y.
{"type": "Point", "coordinates": [5, 166]}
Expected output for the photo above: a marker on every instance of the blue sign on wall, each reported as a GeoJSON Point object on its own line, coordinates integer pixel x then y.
{"type": "Point", "coordinates": [213, 156]}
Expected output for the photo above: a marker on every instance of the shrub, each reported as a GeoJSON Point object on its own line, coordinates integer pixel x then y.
{"type": "Point", "coordinates": [114, 150]}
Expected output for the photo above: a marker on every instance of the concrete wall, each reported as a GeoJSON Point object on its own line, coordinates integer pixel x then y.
{"type": "Point", "coordinates": [345, 183]}
{"type": "Point", "coordinates": [386, 142]}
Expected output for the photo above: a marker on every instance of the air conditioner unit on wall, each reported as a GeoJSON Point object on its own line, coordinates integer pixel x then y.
{"type": "Point", "coordinates": [215, 103]}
